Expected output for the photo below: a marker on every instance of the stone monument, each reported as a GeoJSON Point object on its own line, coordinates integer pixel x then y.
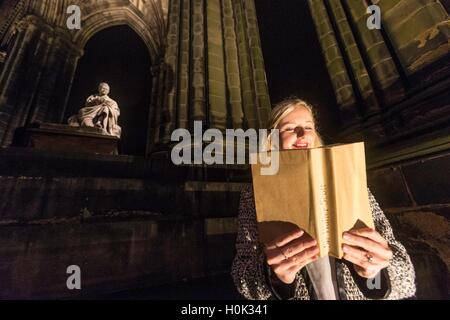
{"type": "Point", "coordinates": [94, 129]}
{"type": "Point", "coordinates": [100, 111]}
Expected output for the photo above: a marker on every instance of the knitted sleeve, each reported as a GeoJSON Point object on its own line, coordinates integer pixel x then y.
{"type": "Point", "coordinates": [401, 270]}
{"type": "Point", "coordinates": [249, 266]}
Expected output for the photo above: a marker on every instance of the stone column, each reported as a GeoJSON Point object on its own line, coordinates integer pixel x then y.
{"type": "Point", "coordinates": [55, 83]}
{"type": "Point", "coordinates": [236, 114]}
{"type": "Point", "coordinates": [10, 74]}
{"type": "Point", "coordinates": [35, 72]}
{"type": "Point", "coordinates": [214, 70]}
{"type": "Point", "coordinates": [245, 67]}
{"type": "Point", "coordinates": [45, 87]}
{"type": "Point", "coordinates": [61, 99]}
{"type": "Point", "coordinates": [360, 76]}
{"type": "Point", "coordinates": [159, 71]}
{"type": "Point", "coordinates": [217, 96]}
{"type": "Point", "coordinates": [20, 77]}
{"type": "Point", "coordinates": [406, 44]}
{"type": "Point", "coordinates": [198, 90]}
{"type": "Point", "coordinates": [263, 106]}
{"type": "Point", "coordinates": [168, 120]}
{"type": "Point", "coordinates": [340, 79]}
{"type": "Point", "coordinates": [184, 65]}
{"type": "Point", "coordinates": [379, 61]}
{"type": "Point", "coordinates": [36, 83]}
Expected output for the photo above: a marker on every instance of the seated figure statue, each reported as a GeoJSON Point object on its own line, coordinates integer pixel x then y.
{"type": "Point", "coordinates": [100, 111]}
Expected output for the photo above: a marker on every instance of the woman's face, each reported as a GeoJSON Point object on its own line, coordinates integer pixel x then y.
{"type": "Point", "coordinates": [297, 130]}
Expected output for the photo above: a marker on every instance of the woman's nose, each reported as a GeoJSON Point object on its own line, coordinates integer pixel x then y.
{"type": "Point", "coordinates": [300, 132]}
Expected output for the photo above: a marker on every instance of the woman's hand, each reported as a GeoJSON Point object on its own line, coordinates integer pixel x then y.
{"type": "Point", "coordinates": [291, 252]}
{"type": "Point", "coordinates": [367, 250]}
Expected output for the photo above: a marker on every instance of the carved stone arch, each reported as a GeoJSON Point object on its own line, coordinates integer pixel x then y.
{"type": "Point", "coordinates": [98, 21]}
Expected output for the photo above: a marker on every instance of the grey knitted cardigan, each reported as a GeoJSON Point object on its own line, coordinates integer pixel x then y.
{"type": "Point", "coordinates": [248, 270]}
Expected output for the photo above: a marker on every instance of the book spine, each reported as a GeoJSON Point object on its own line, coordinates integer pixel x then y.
{"type": "Point", "coordinates": [320, 200]}
{"type": "Point", "coordinates": [338, 192]}
{"type": "Point", "coordinates": [324, 218]}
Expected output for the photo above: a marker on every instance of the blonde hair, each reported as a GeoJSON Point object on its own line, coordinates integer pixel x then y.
{"type": "Point", "coordinates": [281, 110]}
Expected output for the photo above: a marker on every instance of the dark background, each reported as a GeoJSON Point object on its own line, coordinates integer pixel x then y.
{"type": "Point", "coordinates": [293, 59]}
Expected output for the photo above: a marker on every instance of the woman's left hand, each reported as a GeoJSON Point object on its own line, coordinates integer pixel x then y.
{"type": "Point", "coordinates": [367, 250]}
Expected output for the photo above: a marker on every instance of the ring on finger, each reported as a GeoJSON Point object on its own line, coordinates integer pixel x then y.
{"type": "Point", "coordinates": [285, 257]}
{"type": "Point", "coordinates": [369, 257]}
{"type": "Point", "coordinates": [288, 252]}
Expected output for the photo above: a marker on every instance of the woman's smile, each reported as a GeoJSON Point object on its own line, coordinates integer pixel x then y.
{"type": "Point", "coordinates": [300, 145]}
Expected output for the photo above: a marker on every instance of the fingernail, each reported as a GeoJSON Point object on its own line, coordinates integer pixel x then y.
{"type": "Point", "coordinates": [346, 236]}
{"type": "Point", "coordinates": [299, 233]}
{"type": "Point", "coordinates": [344, 248]}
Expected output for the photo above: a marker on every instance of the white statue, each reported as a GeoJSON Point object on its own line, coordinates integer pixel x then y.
{"type": "Point", "coordinates": [100, 111]}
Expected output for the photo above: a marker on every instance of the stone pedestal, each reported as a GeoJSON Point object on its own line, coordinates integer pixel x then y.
{"type": "Point", "coordinates": [59, 137]}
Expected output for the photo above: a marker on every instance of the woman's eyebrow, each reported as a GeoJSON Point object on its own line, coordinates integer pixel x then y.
{"type": "Point", "coordinates": [285, 123]}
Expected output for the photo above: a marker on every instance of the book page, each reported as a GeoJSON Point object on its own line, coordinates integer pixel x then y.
{"type": "Point", "coordinates": [282, 200]}
{"type": "Point", "coordinates": [350, 207]}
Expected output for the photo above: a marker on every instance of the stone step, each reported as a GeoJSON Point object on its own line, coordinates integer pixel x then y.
{"type": "Point", "coordinates": [204, 288]}
{"type": "Point", "coordinates": [135, 258]}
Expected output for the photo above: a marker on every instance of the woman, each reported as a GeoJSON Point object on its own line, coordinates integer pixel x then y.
{"type": "Point", "coordinates": [374, 266]}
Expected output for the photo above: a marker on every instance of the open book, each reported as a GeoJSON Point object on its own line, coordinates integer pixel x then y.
{"type": "Point", "coordinates": [321, 190]}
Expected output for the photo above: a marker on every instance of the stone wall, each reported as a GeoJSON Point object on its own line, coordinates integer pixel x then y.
{"type": "Point", "coordinates": [127, 222]}
{"type": "Point", "coordinates": [373, 70]}
{"type": "Point", "coordinates": [415, 194]}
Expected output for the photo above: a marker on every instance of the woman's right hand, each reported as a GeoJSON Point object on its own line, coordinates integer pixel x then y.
{"type": "Point", "coordinates": [290, 253]}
